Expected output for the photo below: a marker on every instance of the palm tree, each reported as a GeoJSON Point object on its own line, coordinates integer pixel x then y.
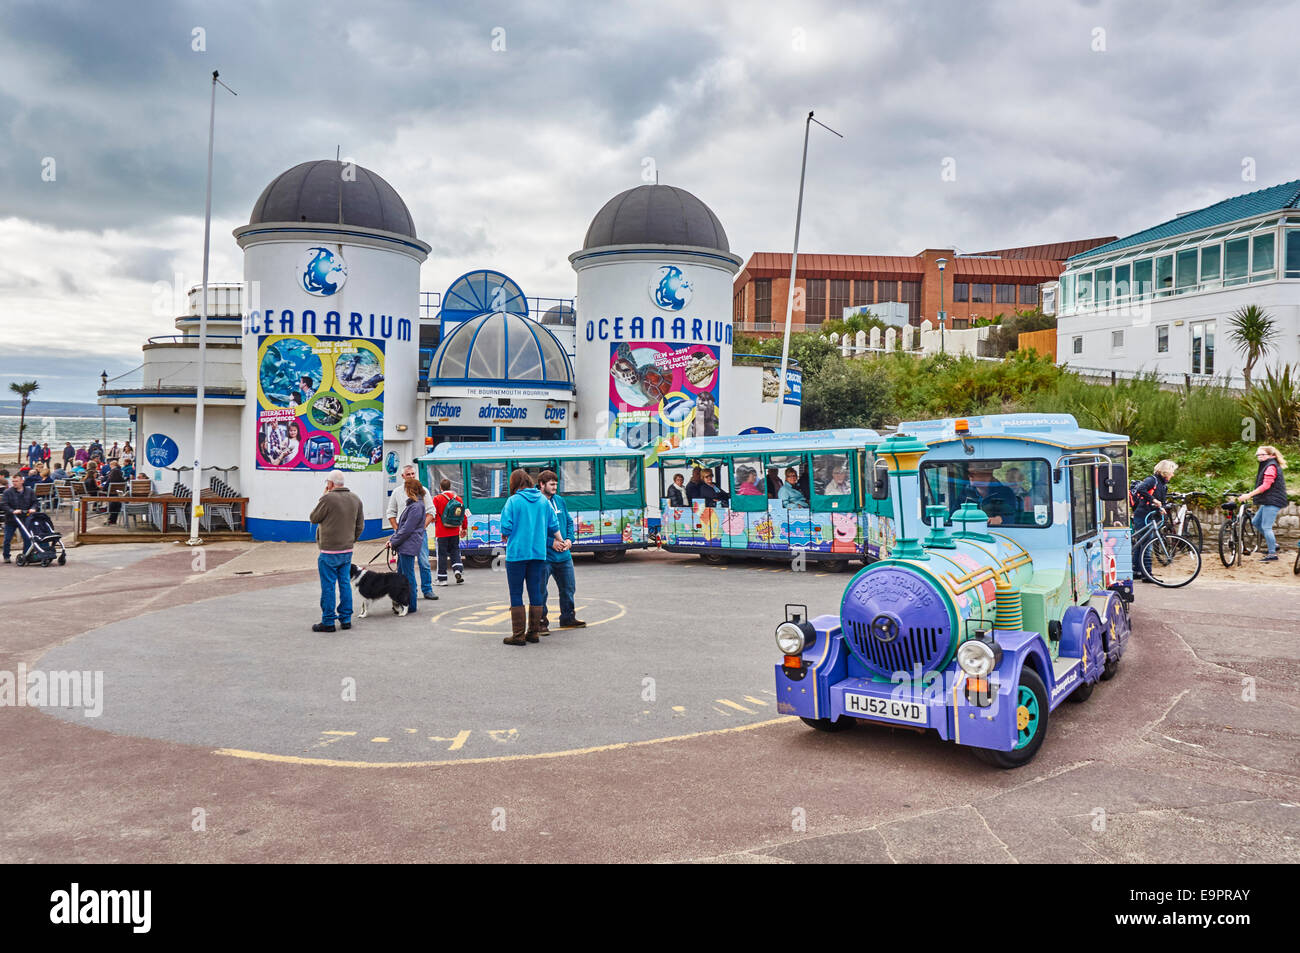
{"type": "Point", "coordinates": [1254, 332]}
{"type": "Point", "coordinates": [25, 391]}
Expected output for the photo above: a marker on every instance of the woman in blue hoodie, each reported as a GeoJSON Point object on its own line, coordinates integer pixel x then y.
{"type": "Point", "coordinates": [410, 536]}
{"type": "Point", "coordinates": [528, 526]}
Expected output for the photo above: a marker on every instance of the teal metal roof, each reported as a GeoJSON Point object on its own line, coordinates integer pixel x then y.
{"type": "Point", "coordinates": [1058, 430]}
{"type": "Point", "coordinates": [775, 442]}
{"type": "Point", "coordinates": [528, 450]}
{"type": "Point", "coordinates": [1275, 199]}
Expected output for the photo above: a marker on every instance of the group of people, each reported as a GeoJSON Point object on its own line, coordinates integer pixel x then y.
{"type": "Point", "coordinates": [75, 463]}
{"type": "Point", "coordinates": [749, 483]}
{"type": "Point", "coordinates": [536, 528]}
{"type": "Point", "coordinates": [1269, 495]}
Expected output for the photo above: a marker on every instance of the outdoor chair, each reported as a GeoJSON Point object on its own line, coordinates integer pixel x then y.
{"type": "Point", "coordinates": [139, 487]}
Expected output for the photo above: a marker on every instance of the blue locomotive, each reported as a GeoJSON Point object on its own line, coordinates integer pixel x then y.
{"type": "Point", "coordinates": [1007, 589]}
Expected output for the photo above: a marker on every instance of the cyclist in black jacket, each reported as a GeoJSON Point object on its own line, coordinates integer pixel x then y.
{"type": "Point", "coordinates": [1149, 501]}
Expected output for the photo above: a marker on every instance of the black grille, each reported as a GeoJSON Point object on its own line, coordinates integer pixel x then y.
{"type": "Point", "coordinates": [924, 646]}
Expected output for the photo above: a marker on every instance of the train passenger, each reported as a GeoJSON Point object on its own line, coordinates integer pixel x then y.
{"type": "Point", "coordinates": [710, 493]}
{"type": "Point", "coordinates": [747, 484]}
{"type": "Point", "coordinates": [789, 494]}
{"type": "Point", "coordinates": [1149, 501]}
{"type": "Point", "coordinates": [1270, 493]}
{"type": "Point", "coordinates": [677, 492]}
{"type": "Point", "coordinates": [693, 487]}
{"type": "Point", "coordinates": [839, 484]}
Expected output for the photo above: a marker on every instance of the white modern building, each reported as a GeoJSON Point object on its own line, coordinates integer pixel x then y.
{"type": "Point", "coordinates": [1159, 300]}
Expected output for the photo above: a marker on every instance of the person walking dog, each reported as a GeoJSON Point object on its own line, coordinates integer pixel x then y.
{"type": "Point", "coordinates": [340, 520]}
{"type": "Point", "coordinates": [448, 523]}
{"type": "Point", "coordinates": [559, 562]}
{"type": "Point", "coordinates": [396, 503]}
{"type": "Point", "coordinates": [411, 536]}
{"type": "Point", "coordinates": [1269, 494]}
{"type": "Point", "coordinates": [527, 523]}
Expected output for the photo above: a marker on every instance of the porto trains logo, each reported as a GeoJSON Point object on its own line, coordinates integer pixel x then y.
{"type": "Point", "coordinates": [670, 289]}
{"type": "Point", "coordinates": [322, 272]}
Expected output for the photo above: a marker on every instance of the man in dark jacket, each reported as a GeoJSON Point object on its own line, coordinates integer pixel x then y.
{"type": "Point", "coordinates": [340, 520]}
{"type": "Point", "coordinates": [113, 484]}
{"type": "Point", "coordinates": [16, 500]}
{"type": "Point", "coordinates": [1148, 503]}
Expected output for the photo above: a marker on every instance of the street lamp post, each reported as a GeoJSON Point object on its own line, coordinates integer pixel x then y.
{"type": "Point", "coordinates": [103, 410]}
{"type": "Point", "coordinates": [942, 263]}
{"type": "Point", "coordinates": [794, 264]}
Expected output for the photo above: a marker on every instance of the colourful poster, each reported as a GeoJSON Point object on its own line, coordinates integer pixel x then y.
{"type": "Point", "coordinates": [660, 393]}
{"type": "Point", "coordinates": [320, 403]}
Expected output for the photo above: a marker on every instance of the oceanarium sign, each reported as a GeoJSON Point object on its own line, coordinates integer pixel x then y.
{"type": "Point", "coordinates": [660, 328]}
{"type": "Point", "coordinates": [352, 324]}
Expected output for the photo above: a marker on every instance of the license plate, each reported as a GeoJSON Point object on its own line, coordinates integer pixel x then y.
{"type": "Point", "coordinates": [868, 706]}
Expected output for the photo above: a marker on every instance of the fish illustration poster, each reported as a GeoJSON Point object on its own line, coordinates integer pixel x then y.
{"type": "Point", "coordinates": [320, 403]}
{"type": "Point", "coordinates": [660, 393]}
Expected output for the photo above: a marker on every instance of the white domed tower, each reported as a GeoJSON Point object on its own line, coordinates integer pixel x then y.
{"type": "Point", "coordinates": [654, 318]}
{"type": "Point", "coordinates": [331, 343]}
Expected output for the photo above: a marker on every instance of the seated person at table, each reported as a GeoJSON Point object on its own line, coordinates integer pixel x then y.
{"type": "Point", "coordinates": [789, 493]}
{"type": "Point", "coordinates": [997, 500]}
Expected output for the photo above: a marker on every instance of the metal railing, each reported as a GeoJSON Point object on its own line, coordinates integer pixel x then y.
{"type": "Point", "coordinates": [194, 339]}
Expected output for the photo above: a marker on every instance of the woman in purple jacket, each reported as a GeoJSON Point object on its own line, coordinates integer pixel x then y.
{"type": "Point", "coordinates": [410, 536]}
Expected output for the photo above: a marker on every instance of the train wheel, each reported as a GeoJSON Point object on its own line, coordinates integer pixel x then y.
{"type": "Point", "coordinates": [1031, 724]}
{"type": "Point", "coordinates": [1083, 692]}
{"type": "Point", "coordinates": [1109, 670]}
{"type": "Point", "coordinates": [843, 723]}
{"type": "Point", "coordinates": [714, 559]}
{"type": "Point", "coordinates": [834, 565]}
{"type": "Point", "coordinates": [479, 562]}
{"type": "Point", "coordinates": [610, 555]}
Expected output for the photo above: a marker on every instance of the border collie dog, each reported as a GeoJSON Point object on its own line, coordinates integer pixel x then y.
{"type": "Point", "coordinates": [371, 585]}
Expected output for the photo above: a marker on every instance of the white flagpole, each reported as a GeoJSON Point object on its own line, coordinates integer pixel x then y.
{"type": "Point", "coordinates": [200, 393]}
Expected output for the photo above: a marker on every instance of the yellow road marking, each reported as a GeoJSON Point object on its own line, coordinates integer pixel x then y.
{"type": "Point", "coordinates": [617, 746]}
{"type": "Point", "coordinates": [504, 735]}
{"type": "Point", "coordinates": [756, 701]}
{"type": "Point", "coordinates": [381, 739]}
{"type": "Point", "coordinates": [338, 732]}
{"type": "Point", "coordinates": [456, 743]}
{"type": "Point", "coordinates": [678, 708]}
{"type": "Point", "coordinates": [730, 704]}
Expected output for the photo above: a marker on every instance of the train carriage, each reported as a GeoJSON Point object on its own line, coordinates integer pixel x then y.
{"type": "Point", "coordinates": [780, 494]}
{"type": "Point", "coordinates": [1006, 592]}
{"type": "Point", "coordinates": [602, 482]}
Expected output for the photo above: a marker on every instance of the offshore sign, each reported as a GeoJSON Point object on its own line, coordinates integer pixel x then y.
{"type": "Point", "coordinates": [680, 330]}
{"type": "Point", "coordinates": [356, 324]}
{"type": "Point", "coordinates": [448, 410]}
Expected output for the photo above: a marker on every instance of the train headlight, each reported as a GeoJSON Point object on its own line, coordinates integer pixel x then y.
{"type": "Point", "coordinates": [793, 637]}
{"type": "Point", "coordinates": [978, 657]}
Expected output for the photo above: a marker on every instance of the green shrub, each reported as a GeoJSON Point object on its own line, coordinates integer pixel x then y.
{"type": "Point", "coordinates": [848, 393]}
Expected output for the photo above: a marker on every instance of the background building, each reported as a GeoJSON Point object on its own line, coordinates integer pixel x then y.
{"type": "Point", "coordinates": [974, 286]}
{"type": "Point", "coordinates": [1158, 300]}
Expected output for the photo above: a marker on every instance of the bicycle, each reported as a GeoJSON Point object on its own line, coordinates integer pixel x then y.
{"type": "Point", "coordinates": [1179, 522]}
{"type": "Point", "coordinates": [1238, 537]}
{"type": "Point", "coordinates": [1168, 560]}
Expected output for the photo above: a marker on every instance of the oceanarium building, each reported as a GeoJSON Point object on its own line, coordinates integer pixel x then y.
{"type": "Point", "coordinates": [329, 356]}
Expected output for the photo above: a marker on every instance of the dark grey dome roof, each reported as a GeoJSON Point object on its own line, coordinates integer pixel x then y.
{"type": "Point", "coordinates": [560, 314]}
{"type": "Point", "coordinates": [318, 192]}
{"type": "Point", "coordinates": [656, 215]}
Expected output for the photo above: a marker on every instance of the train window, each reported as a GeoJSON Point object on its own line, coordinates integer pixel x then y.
{"type": "Point", "coordinates": [622, 476]}
{"type": "Point", "coordinates": [1083, 501]}
{"type": "Point", "coordinates": [1114, 513]}
{"type": "Point", "coordinates": [488, 480]}
{"type": "Point", "coordinates": [577, 476]}
{"type": "Point", "coordinates": [831, 474]}
{"type": "Point", "coordinates": [748, 475]}
{"type": "Point", "coordinates": [787, 479]}
{"type": "Point", "coordinates": [1010, 492]}
{"type": "Point", "coordinates": [534, 468]}
{"type": "Point", "coordinates": [449, 471]}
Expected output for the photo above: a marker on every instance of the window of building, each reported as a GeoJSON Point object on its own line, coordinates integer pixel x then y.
{"type": "Point", "coordinates": [1029, 294]}
{"type": "Point", "coordinates": [1142, 278]}
{"type": "Point", "coordinates": [1067, 293]}
{"type": "Point", "coordinates": [1185, 271]}
{"type": "Point", "coordinates": [862, 293]}
{"type": "Point", "coordinates": [1203, 347]}
{"type": "Point", "coordinates": [981, 293]}
{"type": "Point", "coordinates": [1262, 262]}
{"type": "Point", "coordinates": [886, 291]}
{"type": "Point", "coordinates": [1162, 339]}
{"type": "Point", "coordinates": [815, 303]}
{"type": "Point", "coordinates": [1078, 344]}
{"type": "Point", "coordinates": [1235, 256]}
{"type": "Point", "coordinates": [1083, 290]}
{"type": "Point", "coordinates": [909, 293]}
{"type": "Point", "coordinates": [1103, 281]}
{"type": "Point", "coordinates": [1164, 275]}
{"type": "Point", "coordinates": [960, 291]}
{"type": "Point", "coordinates": [1293, 252]}
{"type": "Point", "coordinates": [1117, 340]}
{"type": "Point", "coordinates": [1210, 261]}
{"type": "Point", "coordinates": [1006, 294]}
{"type": "Point", "coordinates": [763, 299]}
{"type": "Point", "coordinates": [839, 297]}
{"type": "Point", "coordinates": [1121, 282]}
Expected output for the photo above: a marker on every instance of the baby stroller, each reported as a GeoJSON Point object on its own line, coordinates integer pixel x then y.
{"type": "Point", "coordinates": [41, 542]}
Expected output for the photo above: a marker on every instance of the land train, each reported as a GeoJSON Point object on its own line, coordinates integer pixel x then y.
{"type": "Point", "coordinates": [1007, 589]}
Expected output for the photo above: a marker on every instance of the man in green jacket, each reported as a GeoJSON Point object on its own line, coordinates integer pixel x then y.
{"type": "Point", "coordinates": [560, 562]}
{"type": "Point", "coordinates": [340, 520]}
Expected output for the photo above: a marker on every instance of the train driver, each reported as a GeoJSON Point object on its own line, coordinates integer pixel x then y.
{"type": "Point", "coordinates": [983, 489]}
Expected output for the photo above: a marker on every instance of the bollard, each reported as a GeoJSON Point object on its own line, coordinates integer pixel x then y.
{"type": "Point", "coordinates": [76, 519]}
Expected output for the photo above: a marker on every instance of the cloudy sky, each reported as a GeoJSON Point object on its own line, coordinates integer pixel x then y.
{"type": "Point", "coordinates": [1060, 120]}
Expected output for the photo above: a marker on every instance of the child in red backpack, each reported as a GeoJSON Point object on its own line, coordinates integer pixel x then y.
{"type": "Point", "coordinates": [449, 525]}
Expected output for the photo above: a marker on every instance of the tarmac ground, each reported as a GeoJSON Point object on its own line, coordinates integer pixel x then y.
{"type": "Point", "coordinates": [652, 735]}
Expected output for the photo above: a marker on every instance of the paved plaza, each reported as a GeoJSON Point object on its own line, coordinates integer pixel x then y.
{"type": "Point", "coordinates": [652, 735]}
